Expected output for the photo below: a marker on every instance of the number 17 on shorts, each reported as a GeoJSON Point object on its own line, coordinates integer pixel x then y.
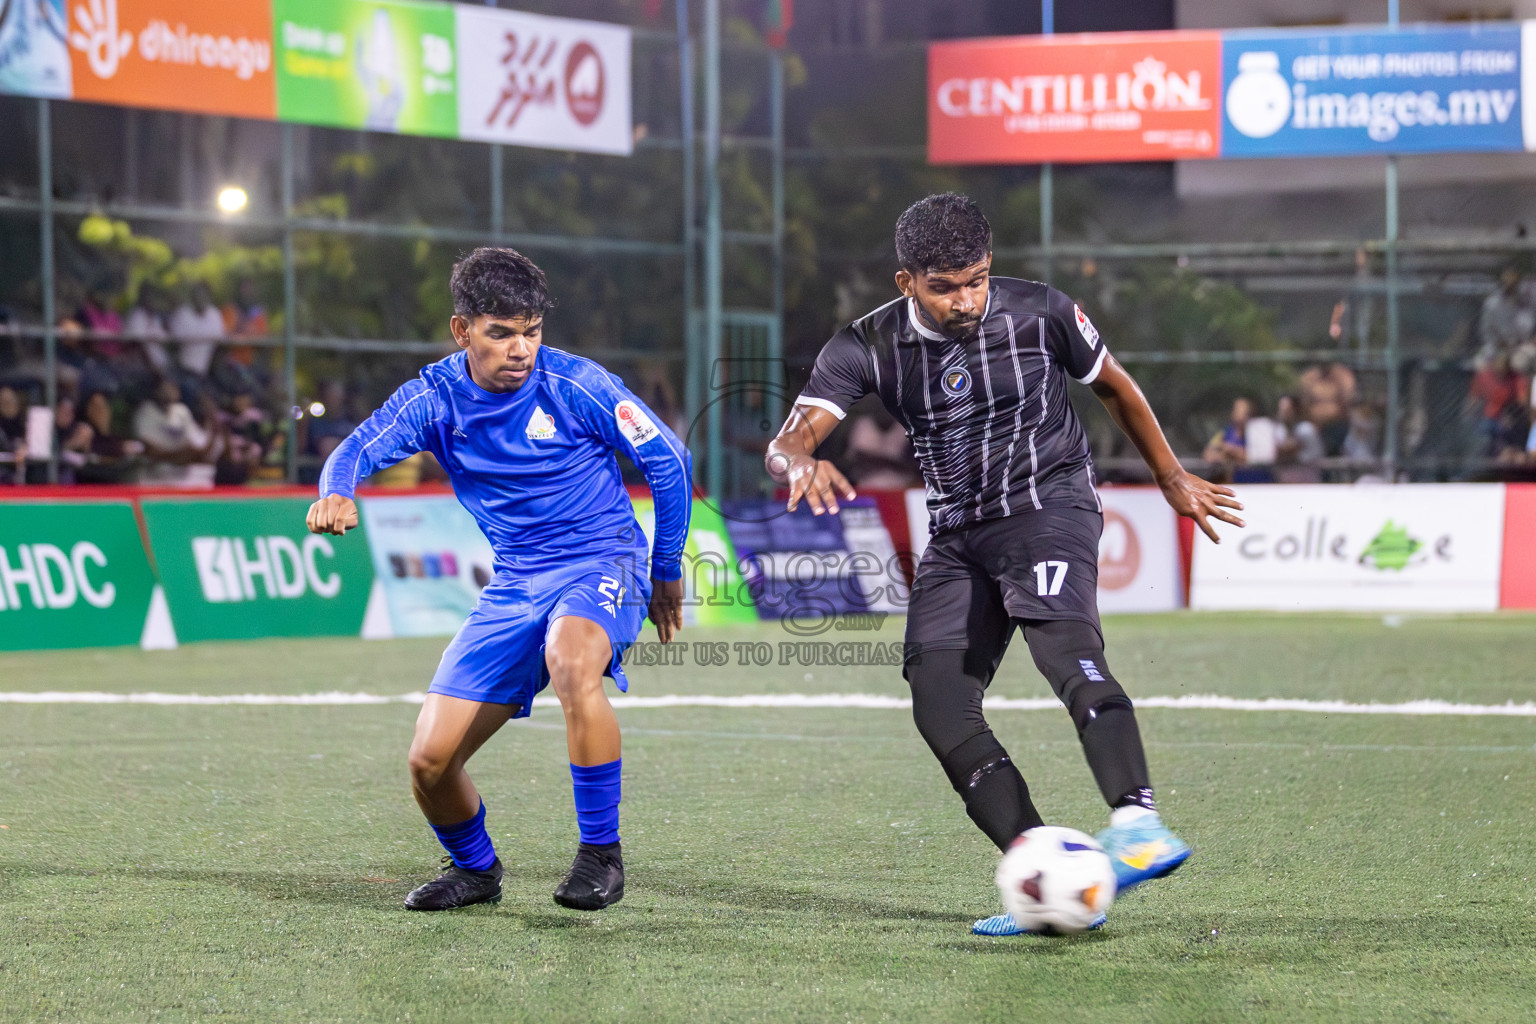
{"type": "Point", "coordinates": [1049, 576]}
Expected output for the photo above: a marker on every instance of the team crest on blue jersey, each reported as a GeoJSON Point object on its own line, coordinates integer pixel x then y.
{"type": "Point", "coordinates": [540, 426]}
{"type": "Point", "coordinates": [957, 383]}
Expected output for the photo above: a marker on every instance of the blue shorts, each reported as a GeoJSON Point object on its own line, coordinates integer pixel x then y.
{"type": "Point", "coordinates": [497, 656]}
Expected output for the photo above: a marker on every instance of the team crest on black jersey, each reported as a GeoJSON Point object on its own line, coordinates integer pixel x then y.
{"type": "Point", "coordinates": [957, 383]}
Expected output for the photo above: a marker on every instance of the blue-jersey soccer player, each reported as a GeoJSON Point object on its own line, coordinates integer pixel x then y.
{"type": "Point", "coordinates": [528, 436]}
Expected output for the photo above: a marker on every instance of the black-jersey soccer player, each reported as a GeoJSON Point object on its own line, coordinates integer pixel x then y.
{"type": "Point", "coordinates": [975, 367]}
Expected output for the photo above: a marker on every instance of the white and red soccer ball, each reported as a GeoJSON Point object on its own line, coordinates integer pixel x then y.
{"type": "Point", "coordinates": [1056, 878]}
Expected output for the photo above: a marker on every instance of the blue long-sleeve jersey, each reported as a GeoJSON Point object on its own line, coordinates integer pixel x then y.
{"type": "Point", "coordinates": [535, 467]}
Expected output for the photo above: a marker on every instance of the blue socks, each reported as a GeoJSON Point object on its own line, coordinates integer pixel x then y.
{"type": "Point", "coordinates": [467, 842]}
{"type": "Point", "coordinates": [597, 801]}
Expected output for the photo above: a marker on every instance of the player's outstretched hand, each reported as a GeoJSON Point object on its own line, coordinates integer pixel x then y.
{"type": "Point", "coordinates": [666, 608]}
{"type": "Point", "coordinates": [1191, 496]}
{"type": "Point", "coordinates": [819, 483]}
{"type": "Point", "coordinates": [332, 514]}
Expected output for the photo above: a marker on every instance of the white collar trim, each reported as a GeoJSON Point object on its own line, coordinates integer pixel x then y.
{"type": "Point", "coordinates": [922, 329]}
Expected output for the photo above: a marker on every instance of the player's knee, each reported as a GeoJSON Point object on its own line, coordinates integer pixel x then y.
{"type": "Point", "coordinates": [428, 765]}
{"type": "Point", "coordinates": [575, 674]}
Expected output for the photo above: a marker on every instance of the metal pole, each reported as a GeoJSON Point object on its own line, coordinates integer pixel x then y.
{"type": "Point", "coordinates": [776, 339]}
{"type": "Point", "coordinates": [1390, 453]}
{"type": "Point", "coordinates": [1047, 172]}
{"type": "Point", "coordinates": [498, 199]}
{"type": "Point", "coordinates": [290, 306]}
{"type": "Point", "coordinates": [50, 314]}
{"type": "Point", "coordinates": [693, 373]}
{"type": "Point", "coordinates": [713, 241]}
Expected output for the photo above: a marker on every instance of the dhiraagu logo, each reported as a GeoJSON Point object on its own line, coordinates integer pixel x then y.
{"type": "Point", "coordinates": [1394, 549]}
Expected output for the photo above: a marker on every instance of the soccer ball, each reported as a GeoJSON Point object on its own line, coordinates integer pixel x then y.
{"type": "Point", "coordinates": [1056, 879]}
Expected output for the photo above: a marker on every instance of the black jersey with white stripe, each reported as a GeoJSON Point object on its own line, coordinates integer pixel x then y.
{"type": "Point", "coordinates": [987, 414]}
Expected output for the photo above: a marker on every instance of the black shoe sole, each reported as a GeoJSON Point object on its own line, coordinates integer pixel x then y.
{"type": "Point", "coordinates": [458, 906]}
{"type": "Point", "coordinates": [572, 904]}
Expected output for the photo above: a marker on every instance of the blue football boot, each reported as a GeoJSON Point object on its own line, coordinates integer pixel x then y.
{"type": "Point", "coordinates": [1142, 850]}
{"type": "Point", "coordinates": [1004, 924]}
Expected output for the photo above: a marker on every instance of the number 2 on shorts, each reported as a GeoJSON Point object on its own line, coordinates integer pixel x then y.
{"type": "Point", "coordinates": [1049, 577]}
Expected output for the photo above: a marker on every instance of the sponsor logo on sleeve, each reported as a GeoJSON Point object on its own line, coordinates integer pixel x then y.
{"type": "Point", "coordinates": [1085, 327]}
{"type": "Point", "coordinates": [634, 424]}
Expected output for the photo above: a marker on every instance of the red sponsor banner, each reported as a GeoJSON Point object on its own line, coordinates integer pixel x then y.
{"type": "Point", "coordinates": [1075, 99]}
{"type": "Point", "coordinates": [192, 55]}
{"type": "Point", "coordinates": [1517, 580]}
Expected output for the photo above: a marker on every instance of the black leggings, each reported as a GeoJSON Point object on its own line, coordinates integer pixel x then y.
{"type": "Point", "coordinates": [947, 689]}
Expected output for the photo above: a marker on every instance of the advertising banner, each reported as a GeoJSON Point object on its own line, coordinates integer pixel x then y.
{"type": "Point", "coordinates": [1424, 89]}
{"type": "Point", "coordinates": [208, 58]}
{"type": "Point", "coordinates": [1076, 99]}
{"type": "Point", "coordinates": [714, 593]}
{"type": "Point", "coordinates": [385, 66]}
{"type": "Point", "coordinates": [555, 83]}
{"type": "Point", "coordinates": [1138, 552]}
{"type": "Point", "coordinates": [246, 567]}
{"type": "Point", "coordinates": [1402, 547]}
{"type": "Point", "coordinates": [34, 48]}
{"type": "Point", "coordinates": [1517, 581]}
{"type": "Point", "coordinates": [72, 575]}
{"type": "Point", "coordinates": [431, 558]}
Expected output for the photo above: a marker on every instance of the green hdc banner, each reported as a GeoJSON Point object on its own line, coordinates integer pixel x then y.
{"type": "Point", "coordinates": [245, 568]}
{"type": "Point", "coordinates": [72, 575]}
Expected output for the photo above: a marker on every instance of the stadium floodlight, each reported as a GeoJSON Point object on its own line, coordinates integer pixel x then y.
{"type": "Point", "coordinates": [232, 199]}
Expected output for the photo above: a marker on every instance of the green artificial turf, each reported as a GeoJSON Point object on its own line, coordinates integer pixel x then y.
{"type": "Point", "coordinates": [247, 863]}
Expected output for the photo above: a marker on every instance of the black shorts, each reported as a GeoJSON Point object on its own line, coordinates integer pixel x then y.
{"type": "Point", "coordinates": [974, 582]}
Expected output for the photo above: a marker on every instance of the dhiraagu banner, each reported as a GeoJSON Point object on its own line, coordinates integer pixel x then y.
{"type": "Point", "coordinates": [384, 66]}
{"type": "Point", "coordinates": [72, 575]}
{"type": "Point", "coordinates": [245, 568]}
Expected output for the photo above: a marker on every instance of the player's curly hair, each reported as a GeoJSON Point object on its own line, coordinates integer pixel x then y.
{"type": "Point", "coordinates": [942, 232]}
{"type": "Point", "coordinates": [500, 283]}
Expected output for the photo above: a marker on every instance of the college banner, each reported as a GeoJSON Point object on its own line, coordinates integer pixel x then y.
{"type": "Point", "coordinates": [1075, 99]}
{"type": "Point", "coordinates": [1422, 89]}
{"type": "Point", "coordinates": [246, 567]}
{"type": "Point", "coordinates": [1138, 552]}
{"type": "Point", "coordinates": [1388, 547]}
{"type": "Point", "coordinates": [72, 574]}
{"type": "Point", "coordinates": [207, 58]}
{"type": "Point", "coordinates": [556, 83]}
{"type": "Point", "coordinates": [386, 66]}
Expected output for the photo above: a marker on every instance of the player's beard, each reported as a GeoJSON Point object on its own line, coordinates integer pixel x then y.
{"type": "Point", "coordinates": [962, 328]}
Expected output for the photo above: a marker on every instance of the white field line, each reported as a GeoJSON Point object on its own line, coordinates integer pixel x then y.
{"type": "Point", "coordinates": [813, 701]}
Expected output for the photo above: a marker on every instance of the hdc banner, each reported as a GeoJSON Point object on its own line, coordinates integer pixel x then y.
{"type": "Point", "coordinates": [72, 575]}
{"type": "Point", "coordinates": [245, 568]}
{"type": "Point", "coordinates": [1109, 96]}
{"type": "Point", "coordinates": [529, 80]}
{"type": "Point", "coordinates": [1425, 89]}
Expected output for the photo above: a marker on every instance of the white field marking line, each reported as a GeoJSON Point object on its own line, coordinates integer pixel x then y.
{"type": "Point", "coordinates": [814, 701]}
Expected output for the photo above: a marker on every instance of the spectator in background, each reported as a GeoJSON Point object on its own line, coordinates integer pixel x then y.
{"type": "Point", "coordinates": [198, 325]}
{"type": "Point", "coordinates": [1507, 318]}
{"type": "Point", "coordinates": [879, 455]}
{"type": "Point", "coordinates": [13, 434]}
{"type": "Point", "coordinates": [330, 425]}
{"type": "Point", "coordinates": [72, 436]}
{"type": "Point", "coordinates": [146, 325]}
{"type": "Point", "coordinates": [1499, 395]}
{"type": "Point", "coordinates": [111, 457]}
{"type": "Point", "coordinates": [1228, 447]}
{"type": "Point", "coordinates": [1298, 446]}
{"type": "Point", "coordinates": [1363, 441]}
{"type": "Point", "coordinates": [174, 442]}
{"type": "Point", "coordinates": [244, 318]}
{"type": "Point", "coordinates": [1327, 393]}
